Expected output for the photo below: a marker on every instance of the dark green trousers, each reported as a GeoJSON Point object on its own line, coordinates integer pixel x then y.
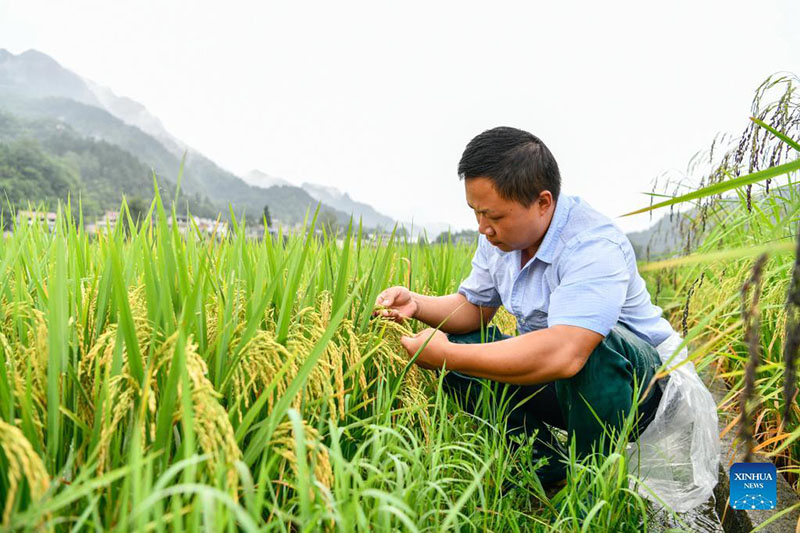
{"type": "Point", "coordinates": [596, 399]}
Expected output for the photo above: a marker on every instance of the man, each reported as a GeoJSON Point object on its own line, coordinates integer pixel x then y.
{"type": "Point", "coordinates": [587, 327]}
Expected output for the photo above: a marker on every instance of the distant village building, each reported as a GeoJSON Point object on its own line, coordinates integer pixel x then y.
{"type": "Point", "coordinates": [105, 223]}
{"type": "Point", "coordinates": [31, 217]}
{"type": "Point", "coordinates": [206, 226]}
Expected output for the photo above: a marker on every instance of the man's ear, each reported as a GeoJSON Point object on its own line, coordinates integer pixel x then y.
{"type": "Point", "coordinates": [544, 201]}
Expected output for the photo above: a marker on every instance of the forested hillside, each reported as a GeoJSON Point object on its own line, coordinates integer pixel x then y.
{"type": "Point", "coordinates": [43, 161]}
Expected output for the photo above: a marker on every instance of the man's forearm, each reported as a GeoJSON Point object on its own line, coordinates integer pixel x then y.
{"type": "Point", "coordinates": [461, 315]}
{"type": "Point", "coordinates": [535, 357]}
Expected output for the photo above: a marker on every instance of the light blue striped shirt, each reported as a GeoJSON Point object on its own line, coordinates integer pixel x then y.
{"type": "Point", "coordinates": [583, 274]}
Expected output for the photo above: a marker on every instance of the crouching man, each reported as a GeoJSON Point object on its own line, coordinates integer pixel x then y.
{"type": "Point", "coordinates": [587, 327]}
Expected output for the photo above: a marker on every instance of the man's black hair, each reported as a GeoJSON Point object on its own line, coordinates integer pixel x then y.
{"type": "Point", "coordinates": [518, 163]}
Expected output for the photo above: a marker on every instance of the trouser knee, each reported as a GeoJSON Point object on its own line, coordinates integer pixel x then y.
{"type": "Point", "coordinates": [599, 398]}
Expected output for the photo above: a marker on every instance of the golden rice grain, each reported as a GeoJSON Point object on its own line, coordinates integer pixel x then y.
{"type": "Point", "coordinates": [23, 463]}
{"type": "Point", "coordinates": [283, 443]}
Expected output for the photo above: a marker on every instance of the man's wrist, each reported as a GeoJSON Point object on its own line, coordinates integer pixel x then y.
{"type": "Point", "coordinates": [452, 355]}
{"type": "Point", "coordinates": [415, 298]}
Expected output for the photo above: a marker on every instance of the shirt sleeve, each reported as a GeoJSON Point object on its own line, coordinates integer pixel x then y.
{"type": "Point", "coordinates": [479, 287]}
{"type": "Point", "coordinates": [593, 287]}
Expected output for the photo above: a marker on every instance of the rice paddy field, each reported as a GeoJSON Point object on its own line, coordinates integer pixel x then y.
{"type": "Point", "coordinates": [156, 381]}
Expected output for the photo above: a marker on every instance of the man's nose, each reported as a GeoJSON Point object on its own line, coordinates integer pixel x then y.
{"type": "Point", "coordinates": [483, 227]}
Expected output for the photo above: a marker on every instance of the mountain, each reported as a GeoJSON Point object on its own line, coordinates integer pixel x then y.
{"type": "Point", "coordinates": [341, 200]}
{"type": "Point", "coordinates": [37, 75]}
{"type": "Point", "coordinates": [46, 161]}
{"type": "Point", "coordinates": [33, 87]}
{"type": "Point", "coordinates": [430, 229]}
{"type": "Point", "coordinates": [321, 192]}
{"type": "Point", "coordinates": [265, 181]}
{"type": "Point", "coordinates": [135, 114]}
{"type": "Point", "coordinates": [661, 239]}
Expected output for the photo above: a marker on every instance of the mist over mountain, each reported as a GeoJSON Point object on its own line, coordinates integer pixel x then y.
{"type": "Point", "coordinates": [264, 180]}
{"type": "Point", "coordinates": [660, 240]}
{"type": "Point", "coordinates": [37, 75]}
{"type": "Point", "coordinates": [341, 200]}
{"type": "Point", "coordinates": [135, 114]}
{"type": "Point", "coordinates": [323, 191]}
{"type": "Point", "coordinates": [35, 87]}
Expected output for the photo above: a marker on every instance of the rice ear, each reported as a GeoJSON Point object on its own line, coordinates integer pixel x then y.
{"type": "Point", "coordinates": [23, 464]}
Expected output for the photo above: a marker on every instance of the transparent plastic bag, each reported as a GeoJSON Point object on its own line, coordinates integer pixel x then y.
{"type": "Point", "coordinates": [677, 456]}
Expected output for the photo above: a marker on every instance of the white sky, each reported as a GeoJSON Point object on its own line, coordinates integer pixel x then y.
{"type": "Point", "coordinates": [380, 99]}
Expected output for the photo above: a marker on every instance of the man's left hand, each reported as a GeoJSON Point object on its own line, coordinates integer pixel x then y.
{"type": "Point", "coordinates": [433, 355]}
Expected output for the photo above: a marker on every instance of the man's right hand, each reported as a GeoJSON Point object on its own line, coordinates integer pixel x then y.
{"type": "Point", "coordinates": [399, 304]}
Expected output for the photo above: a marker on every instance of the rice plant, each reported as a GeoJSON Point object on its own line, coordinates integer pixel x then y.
{"type": "Point", "coordinates": [758, 215]}
{"type": "Point", "coordinates": [151, 380]}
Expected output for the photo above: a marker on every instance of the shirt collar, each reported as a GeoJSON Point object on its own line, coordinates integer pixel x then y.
{"type": "Point", "coordinates": [560, 216]}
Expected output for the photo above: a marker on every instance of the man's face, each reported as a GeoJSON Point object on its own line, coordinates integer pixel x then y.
{"type": "Point", "coordinates": [507, 224]}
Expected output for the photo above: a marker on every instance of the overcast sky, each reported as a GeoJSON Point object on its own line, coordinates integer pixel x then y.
{"type": "Point", "coordinates": [380, 99]}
